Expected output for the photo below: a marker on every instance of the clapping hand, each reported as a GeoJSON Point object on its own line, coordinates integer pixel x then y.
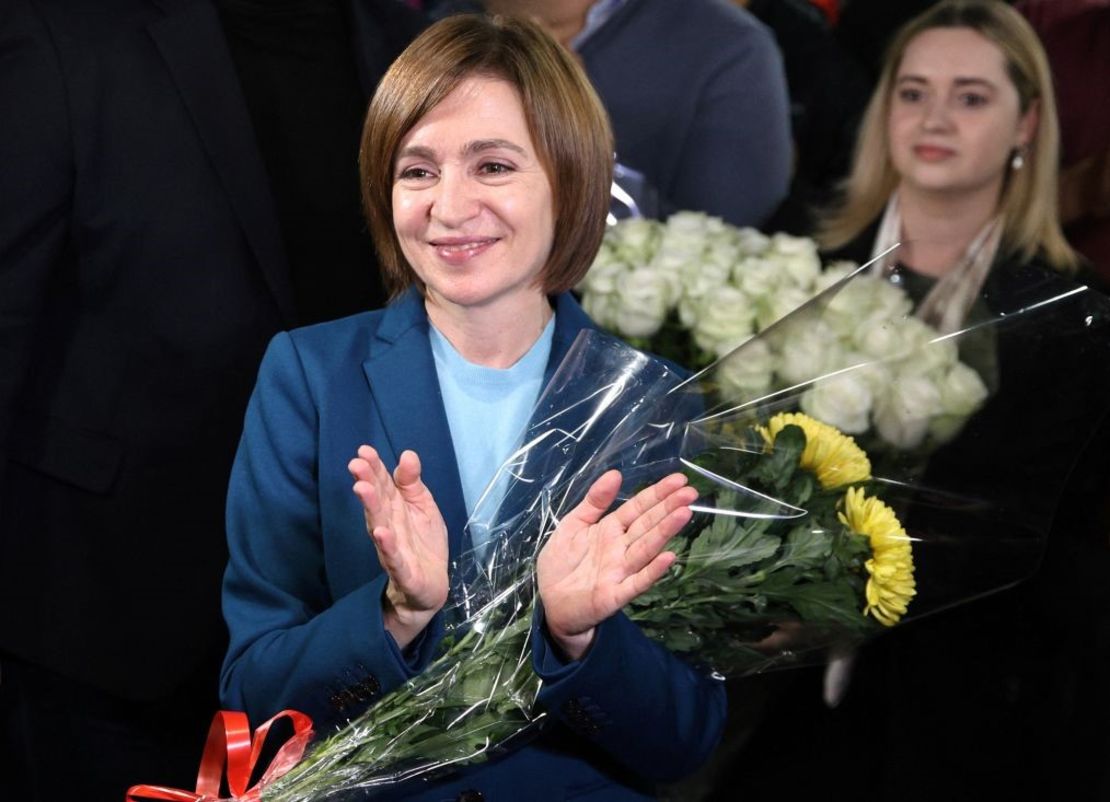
{"type": "Point", "coordinates": [410, 536]}
{"type": "Point", "coordinates": [596, 563]}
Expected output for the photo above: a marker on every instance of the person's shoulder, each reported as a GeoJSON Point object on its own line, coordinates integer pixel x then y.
{"type": "Point", "coordinates": [74, 21]}
{"type": "Point", "coordinates": [333, 336]}
{"type": "Point", "coordinates": [1018, 282]}
{"type": "Point", "coordinates": [720, 12]}
{"type": "Point", "coordinates": [717, 25]}
{"type": "Point", "coordinates": [323, 349]}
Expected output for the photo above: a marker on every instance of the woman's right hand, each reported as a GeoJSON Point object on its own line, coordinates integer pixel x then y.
{"type": "Point", "coordinates": [410, 536]}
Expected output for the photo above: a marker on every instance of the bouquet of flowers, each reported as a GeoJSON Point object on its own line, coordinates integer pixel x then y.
{"type": "Point", "coordinates": [796, 548]}
{"type": "Point", "coordinates": [694, 288]}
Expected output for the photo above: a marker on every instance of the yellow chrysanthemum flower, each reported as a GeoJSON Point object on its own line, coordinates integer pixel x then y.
{"type": "Point", "coordinates": [890, 586]}
{"type": "Point", "coordinates": [832, 456]}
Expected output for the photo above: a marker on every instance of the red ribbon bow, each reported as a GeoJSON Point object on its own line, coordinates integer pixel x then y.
{"type": "Point", "coordinates": [230, 743]}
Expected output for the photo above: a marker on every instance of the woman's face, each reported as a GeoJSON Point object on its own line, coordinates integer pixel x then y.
{"type": "Point", "coordinates": [955, 115]}
{"type": "Point", "coordinates": [472, 204]}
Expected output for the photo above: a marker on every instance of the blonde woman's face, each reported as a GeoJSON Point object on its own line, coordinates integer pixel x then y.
{"type": "Point", "coordinates": [955, 116]}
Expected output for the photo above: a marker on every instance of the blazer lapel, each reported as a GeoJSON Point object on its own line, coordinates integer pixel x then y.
{"type": "Point", "coordinates": [191, 40]}
{"type": "Point", "coordinates": [402, 376]}
{"type": "Point", "coordinates": [570, 320]}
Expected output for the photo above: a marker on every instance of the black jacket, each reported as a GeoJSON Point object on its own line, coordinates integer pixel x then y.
{"type": "Point", "coordinates": [142, 273]}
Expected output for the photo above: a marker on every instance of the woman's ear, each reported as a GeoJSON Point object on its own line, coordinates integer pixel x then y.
{"type": "Point", "coordinates": [1027, 124]}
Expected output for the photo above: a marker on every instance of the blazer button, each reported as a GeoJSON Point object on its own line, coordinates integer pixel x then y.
{"type": "Point", "coordinates": [369, 687]}
{"type": "Point", "coordinates": [470, 796]}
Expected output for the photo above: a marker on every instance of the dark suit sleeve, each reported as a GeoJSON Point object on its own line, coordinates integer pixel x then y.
{"type": "Point", "coordinates": [633, 699]}
{"type": "Point", "coordinates": [35, 189]}
{"type": "Point", "coordinates": [292, 645]}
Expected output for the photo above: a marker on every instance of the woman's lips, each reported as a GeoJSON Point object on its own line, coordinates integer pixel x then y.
{"type": "Point", "coordinates": [458, 250]}
{"type": "Point", "coordinates": [933, 153]}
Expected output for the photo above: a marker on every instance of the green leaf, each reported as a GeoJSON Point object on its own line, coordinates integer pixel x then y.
{"type": "Point", "coordinates": [807, 546]}
{"type": "Point", "coordinates": [778, 467]}
{"type": "Point", "coordinates": [831, 602]}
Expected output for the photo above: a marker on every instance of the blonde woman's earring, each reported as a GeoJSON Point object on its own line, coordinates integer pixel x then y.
{"type": "Point", "coordinates": [1017, 161]}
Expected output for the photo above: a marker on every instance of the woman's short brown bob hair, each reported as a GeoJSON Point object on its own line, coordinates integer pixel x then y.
{"type": "Point", "coordinates": [569, 127]}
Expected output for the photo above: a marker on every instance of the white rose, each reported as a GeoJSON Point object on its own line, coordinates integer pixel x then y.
{"type": "Point", "coordinates": [723, 251]}
{"type": "Point", "coordinates": [876, 375]}
{"type": "Point", "coordinates": [634, 239]}
{"type": "Point", "coordinates": [685, 233]}
{"type": "Point", "coordinates": [702, 280]}
{"type": "Point", "coordinates": [724, 320]}
{"type": "Point", "coordinates": [962, 391]}
{"type": "Point", "coordinates": [804, 351]}
{"type": "Point", "coordinates": [690, 222]}
{"type": "Point", "coordinates": [833, 272]}
{"type": "Point", "coordinates": [689, 308]}
{"type": "Point", "coordinates": [757, 276]}
{"type": "Point", "coordinates": [674, 262]}
{"type": "Point", "coordinates": [641, 302]}
{"type": "Point", "coordinates": [601, 307]}
{"type": "Point", "coordinates": [774, 307]}
{"type": "Point", "coordinates": [603, 274]}
{"type": "Point", "coordinates": [928, 354]}
{"type": "Point", "coordinates": [888, 299]}
{"type": "Point", "coordinates": [880, 337]}
{"type": "Point", "coordinates": [842, 401]}
{"type": "Point", "coordinates": [745, 373]}
{"type": "Point", "coordinates": [902, 417]}
{"type": "Point", "coordinates": [852, 302]}
{"type": "Point", "coordinates": [672, 271]}
{"type": "Point", "coordinates": [752, 242]}
{"type": "Point", "coordinates": [797, 257]}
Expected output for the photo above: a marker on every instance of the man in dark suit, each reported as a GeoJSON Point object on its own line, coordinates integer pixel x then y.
{"type": "Point", "coordinates": [178, 182]}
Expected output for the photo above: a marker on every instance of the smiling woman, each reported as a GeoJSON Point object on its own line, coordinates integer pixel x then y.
{"type": "Point", "coordinates": [486, 162]}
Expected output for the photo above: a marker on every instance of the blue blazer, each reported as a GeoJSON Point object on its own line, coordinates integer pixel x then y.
{"type": "Point", "coordinates": [303, 588]}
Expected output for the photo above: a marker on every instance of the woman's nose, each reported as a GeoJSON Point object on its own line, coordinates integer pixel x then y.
{"type": "Point", "coordinates": [935, 114]}
{"type": "Point", "coordinates": [455, 200]}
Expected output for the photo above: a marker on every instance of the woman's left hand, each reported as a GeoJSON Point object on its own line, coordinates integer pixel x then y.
{"type": "Point", "coordinates": [594, 564]}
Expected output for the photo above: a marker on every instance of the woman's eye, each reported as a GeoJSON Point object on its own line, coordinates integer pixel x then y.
{"type": "Point", "coordinates": [910, 95]}
{"type": "Point", "coordinates": [413, 174]}
{"type": "Point", "coordinates": [973, 99]}
{"type": "Point", "coordinates": [495, 168]}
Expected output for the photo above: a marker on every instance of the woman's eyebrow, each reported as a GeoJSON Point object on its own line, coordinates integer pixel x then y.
{"type": "Point", "coordinates": [973, 81]}
{"type": "Point", "coordinates": [416, 151]}
{"type": "Point", "coordinates": [958, 81]}
{"type": "Point", "coordinates": [480, 145]}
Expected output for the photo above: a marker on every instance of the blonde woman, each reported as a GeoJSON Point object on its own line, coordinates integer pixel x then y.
{"type": "Point", "coordinates": [956, 158]}
{"type": "Point", "coordinates": [998, 698]}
